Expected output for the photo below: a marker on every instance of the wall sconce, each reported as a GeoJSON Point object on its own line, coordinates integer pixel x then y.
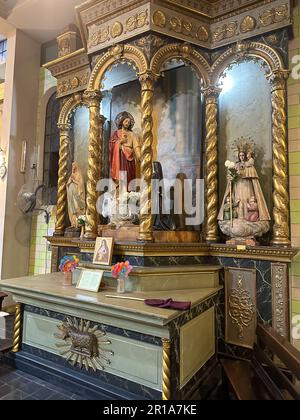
{"type": "Point", "coordinates": [3, 168]}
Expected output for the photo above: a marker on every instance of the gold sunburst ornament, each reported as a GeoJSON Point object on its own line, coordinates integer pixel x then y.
{"type": "Point", "coordinates": [82, 344]}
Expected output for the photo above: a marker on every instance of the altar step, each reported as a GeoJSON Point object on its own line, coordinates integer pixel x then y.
{"type": "Point", "coordinates": [149, 279]}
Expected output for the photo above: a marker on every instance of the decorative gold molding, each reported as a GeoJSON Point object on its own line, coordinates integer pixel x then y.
{"type": "Point", "coordinates": [243, 50]}
{"type": "Point", "coordinates": [226, 31]}
{"type": "Point", "coordinates": [17, 341]}
{"type": "Point", "coordinates": [274, 15]}
{"type": "Point", "coordinates": [72, 83]}
{"type": "Point", "coordinates": [166, 377]}
{"type": "Point", "coordinates": [137, 21]}
{"type": "Point", "coordinates": [133, 55]}
{"type": "Point", "coordinates": [67, 63]}
{"type": "Point", "coordinates": [198, 250]}
{"type": "Point", "coordinates": [181, 26]}
{"type": "Point", "coordinates": [184, 52]}
{"type": "Point", "coordinates": [280, 299]}
{"type": "Point", "coordinates": [248, 24]}
{"type": "Point", "coordinates": [212, 198]}
{"type": "Point", "coordinates": [240, 302]}
{"type": "Point", "coordinates": [203, 23]}
{"type": "Point", "coordinates": [281, 199]}
{"type": "Point", "coordinates": [241, 308]}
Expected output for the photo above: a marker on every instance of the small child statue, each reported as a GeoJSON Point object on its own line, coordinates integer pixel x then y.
{"type": "Point", "coordinates": [227, 209]}
{"type": "Point", "coordinates": [253, 213]}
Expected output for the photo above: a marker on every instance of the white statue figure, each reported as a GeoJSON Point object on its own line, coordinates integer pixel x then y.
{"type": "Point", "coordinates": [121, 209]}
{"type": "Point", "coordinates": [76, 195]}
{"type": "Point", "coordinates": [244, 214]}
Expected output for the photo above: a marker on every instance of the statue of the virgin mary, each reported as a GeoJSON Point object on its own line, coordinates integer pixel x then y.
{"type": "Point", "coordinates": [244, 213]}
{"type": "Point", "coordinates": [76, 195]}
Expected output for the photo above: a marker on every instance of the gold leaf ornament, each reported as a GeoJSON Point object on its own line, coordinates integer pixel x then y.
{"type": "Point", "coordinates": [248, 24]}
{"type": "Point", "coordinates": [159, 19]}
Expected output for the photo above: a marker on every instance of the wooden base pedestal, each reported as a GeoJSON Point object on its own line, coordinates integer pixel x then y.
{"type": "Point", "coordinates": [131, 234]}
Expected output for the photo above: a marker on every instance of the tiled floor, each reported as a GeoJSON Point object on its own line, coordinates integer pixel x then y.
{"type": "Point", "coordinates": [17, 385]}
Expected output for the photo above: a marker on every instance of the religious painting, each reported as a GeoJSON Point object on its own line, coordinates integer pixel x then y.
{"type": "Point", "coordinates": [103, 251]}
{"type": "Point", "coordinates": [241, 308]}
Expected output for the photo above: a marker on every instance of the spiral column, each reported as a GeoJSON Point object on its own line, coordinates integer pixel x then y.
{"type": "Point", "coordinates": [64, 152]}
{"type": "Point", "coordinates": [147, 85]}
{"type": "Point", "coordinates": [93, 99]}
{"type": "Point", "coordinates": [166, 379]}
{"type": "Point", "coordinates": [17, 329]}
{"type": "Point", "coordinates": [211, 170]}
{"type": "Point", "coordinates": [281, 199]}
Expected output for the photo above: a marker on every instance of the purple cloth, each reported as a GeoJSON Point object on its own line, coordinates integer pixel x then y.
{"type": "Point", "coordinates": [169, 304]}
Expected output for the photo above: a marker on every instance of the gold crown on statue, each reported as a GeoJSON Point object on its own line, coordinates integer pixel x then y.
{"type": "Point", "coordinates": [243, 145]}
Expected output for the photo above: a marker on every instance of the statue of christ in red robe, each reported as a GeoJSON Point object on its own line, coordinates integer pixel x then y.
{"type": "Point", "coordinates": [124, 148]}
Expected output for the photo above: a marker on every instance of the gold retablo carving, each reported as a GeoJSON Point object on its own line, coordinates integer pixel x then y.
{"type": "Point", "coordinates": [241, 308]}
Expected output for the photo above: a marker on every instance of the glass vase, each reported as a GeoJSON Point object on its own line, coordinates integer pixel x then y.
{"type": "Point", "coordinates": [121, 284]}
{"type": "Point", "coordinates": [68, 279]}
{"type": "Point", "coordinates": [82, 233]}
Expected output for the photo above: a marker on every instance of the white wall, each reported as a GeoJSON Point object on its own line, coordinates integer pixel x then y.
{"type": "Point", "coordinates": [19, 123]}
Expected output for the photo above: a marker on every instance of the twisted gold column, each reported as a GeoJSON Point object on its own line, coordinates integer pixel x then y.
{"type": "Point", "coordinates": [64, 152]}
{"type": "Point", "coordinates": [211, 171]}
{"type": "Point", "coordinates": [166, 379]}
{"type": "Point", "coordinates": [147, 84]}
{"type": "Point", "coordinates": [281, 228]}
{"type": "Point", "coordinates": [94, 172]}
{"type": "Point", "coordinates": [17, 329]}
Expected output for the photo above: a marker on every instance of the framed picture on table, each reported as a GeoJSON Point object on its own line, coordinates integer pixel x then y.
{"type": "Point", "coordinates": [103, 251]}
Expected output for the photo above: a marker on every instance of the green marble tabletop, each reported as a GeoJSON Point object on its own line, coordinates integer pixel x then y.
{"type": "Point", "coordinates": [49, 288]}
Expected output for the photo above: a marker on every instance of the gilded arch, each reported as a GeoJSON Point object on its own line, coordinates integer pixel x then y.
{"type": "Point", "coordinates": [277, 77]}
{"type": "Point", "coordinates": [75, 101]}
{"type": "Point", "coordinates": [117, 53]}
{"type": "Point", "coordinates": [183, 52]}
{"type": "Point", "coordinates": [255, 50]}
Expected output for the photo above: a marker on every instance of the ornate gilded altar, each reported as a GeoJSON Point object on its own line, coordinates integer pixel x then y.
{"type": "Point", "coordinates": [147, 35]}
{"type": "Point", "coordinates": [210, 38]}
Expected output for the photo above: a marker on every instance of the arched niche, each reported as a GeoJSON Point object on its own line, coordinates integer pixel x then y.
{"type": "Point", "coordinates": [120, 91]}
{"type": "Point", "coordinates": [75, 115]}
{"type": "Point", "coordinates": [66, 156]}
{"type": "Point", "coordinates": [245, 110]}
{"type": "Point", "coordinates": [80, 138]}
{"type": "Point", "coordinates": [178, 131]}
